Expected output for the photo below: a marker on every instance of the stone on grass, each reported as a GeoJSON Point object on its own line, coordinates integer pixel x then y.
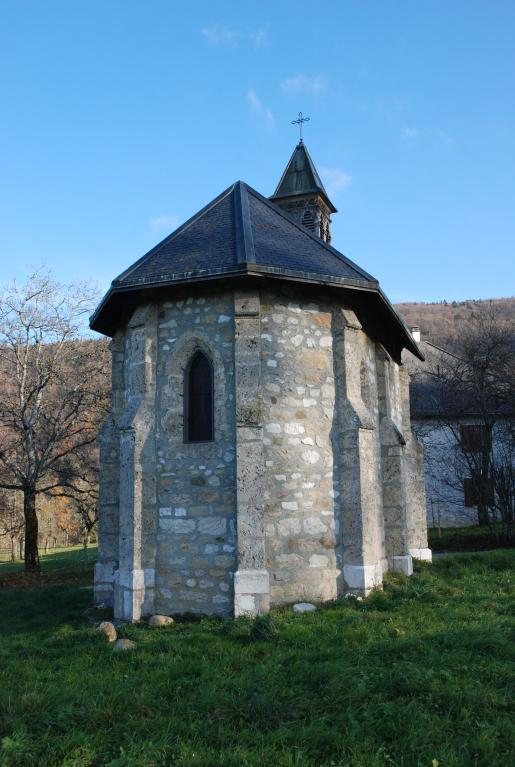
{"type": "Point", "coordinates": [304, 607]}
{"type": "Point", "coordinates": [107, 628]}
{"type": "Point", "coordinates": [160, 620]}
{"type": "Point", "coordinates": [124, 644]}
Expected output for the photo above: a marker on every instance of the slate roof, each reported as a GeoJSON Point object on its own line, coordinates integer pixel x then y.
{"type": "Point", "coordinates": [239, 227]}
{"type": "Point", "coordinates": [242, 235]}
{"type": "Point", "coordinates": [301, 178]}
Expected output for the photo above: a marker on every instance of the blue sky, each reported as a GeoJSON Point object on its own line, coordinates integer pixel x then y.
{"type": "Point", "coordinates": [119, 120]}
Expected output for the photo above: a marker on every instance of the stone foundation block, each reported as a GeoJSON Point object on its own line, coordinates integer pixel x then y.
{"type": "Point", "coordinates": [403, 564]}
{"type": "Point", "coordinates": [104, 572]}
{"type": "Point", "coordinates": [103, 596]}
{"type": "Point", "coordinates": [426, 555]}
{"type": "Point", "coordinates": [129, 594]}
{"type": "Point", "coordinates": [251, 592]}
{"type": "Point", "coordinates": [103, 593]}
{"type": "Point", "coordinates": [361, 579]}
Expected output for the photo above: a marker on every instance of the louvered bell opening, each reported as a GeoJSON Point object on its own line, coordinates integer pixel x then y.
{"type": "Point", "coordinates": [308, 221]}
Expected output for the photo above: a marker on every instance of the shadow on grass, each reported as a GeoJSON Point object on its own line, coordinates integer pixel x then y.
{"type": "Point", "coordinates": [72, 565]}
{"type": "Point", "coordinates": [470, 538]}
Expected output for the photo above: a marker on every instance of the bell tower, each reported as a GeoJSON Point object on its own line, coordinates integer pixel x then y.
{"type": "Point", "coordinates": [301, 193]}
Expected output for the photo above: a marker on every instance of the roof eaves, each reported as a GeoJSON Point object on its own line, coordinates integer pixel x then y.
{"type": "Point", "coordinates": [249, 268]}
{"type": "Point", "coordinates": [103, 301]}
{"type": "Point", "coordinates": [312, 277]}
{"type": "Point", "coordinates": [306, 193]}
{"type": "Point", "coordinates": [411, 344]}
{"type": "Point", "coordinates": [242, 269]}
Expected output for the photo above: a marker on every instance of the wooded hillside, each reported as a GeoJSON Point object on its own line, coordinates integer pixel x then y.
{"type": "Point", "coordinates": [443, 322]}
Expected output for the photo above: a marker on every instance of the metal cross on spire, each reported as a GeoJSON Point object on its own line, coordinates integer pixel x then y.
{"type": "Point", "coordinates": [301, 119]}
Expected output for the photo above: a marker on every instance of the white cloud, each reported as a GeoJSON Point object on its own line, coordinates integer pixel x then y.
{"type": "Point", "coordinates": [335, 180]}
{"type": "Point", "coordinates": [442, 135]}
{"type": "Point", "coordinates": [257, 106]}
{"type": "Point", "coordinates": [304, 84]}
{"type": "Point", "coordinates": [254, 101]}
{"type": "Point", "coordinates": [164, 222]}
{"type": "Point", "coordinates": [220, 34]}
{"type": "Point", "coordinates": [258, 38]}
{"type": "Point", "coordinates": [431, 133]}
{"type": "Point", "coordinates": [269, 118]}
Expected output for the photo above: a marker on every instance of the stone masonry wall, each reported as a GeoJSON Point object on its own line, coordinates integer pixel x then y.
{"type": "Point", "coordinates": [109, 482]}
{"type": "Point", "coordinates": [301, 525]}
{"type": "Point", "coordinates": [311, 487]}
{"type": "Point", "coordinates": [196, 538]}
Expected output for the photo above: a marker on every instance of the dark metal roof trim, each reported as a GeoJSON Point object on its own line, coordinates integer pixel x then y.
{"type": "Point", "coordinates": [411, 344]}
{"type": "Point", "coordinates": [236, 271]}
{"type": "Point", "coordinates": [244, 237]}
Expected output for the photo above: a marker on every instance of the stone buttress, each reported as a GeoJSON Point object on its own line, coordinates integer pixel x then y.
{"type": "Point", "coordinates": [125, 573]}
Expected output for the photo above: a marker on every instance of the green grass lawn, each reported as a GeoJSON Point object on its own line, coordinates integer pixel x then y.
{"type": "Point", "coordinates": [417, 675]}
{"type": "Point", "coordinates": [56, 559]}
{"type": "Point", "coordinates": [64, 565]}
{"type": "Point", "coordinates": [470, 538]}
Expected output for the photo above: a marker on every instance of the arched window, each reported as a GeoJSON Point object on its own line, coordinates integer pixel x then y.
{"type": "Point", "coordinates": [308, 220]}
{"type": "Point", "coordinates": [198, 399]}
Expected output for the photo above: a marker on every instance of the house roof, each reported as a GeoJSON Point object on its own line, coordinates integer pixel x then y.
{"type": "Point", "coordinates": [242, 235]}
{"type": "Point", "coordinates": [301, 178]}
{"type": "Point", "coordinates": [438, 391]}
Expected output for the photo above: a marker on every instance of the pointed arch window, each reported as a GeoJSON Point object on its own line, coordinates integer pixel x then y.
{"type": "Point", "coordinates": [198, 399]}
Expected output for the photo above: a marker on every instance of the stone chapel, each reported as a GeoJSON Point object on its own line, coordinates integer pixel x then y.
{"type": "Point", "coordinates": [259, 449]}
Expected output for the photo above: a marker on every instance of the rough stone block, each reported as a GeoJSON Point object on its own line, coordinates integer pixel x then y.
{"type": "Point", "coordinates": [403, 564]}
{"type": "Point", "coordinates": [212, 525]}
{"type": "Point", "coordinates": [252, 581]}
{"type": "Point", "coordinates": [426, 555]}
{"type": "Point", "coordinates": [361, 579]}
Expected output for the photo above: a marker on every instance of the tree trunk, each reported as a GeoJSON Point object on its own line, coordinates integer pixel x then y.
{"type": "Point", "coordinates": [31, 530]}
{"type": "Point", "coordinates": [483, 518]}
{"type": "Point", "coordinates": [85, 542]}
{"type": "Point", "coordinates": [13, 548]}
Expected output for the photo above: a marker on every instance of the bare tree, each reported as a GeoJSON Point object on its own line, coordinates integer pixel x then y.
{"type": "Point", "coordinates": [79, 484]}
{"type": "Point", "coordinates": [53, 389]}
{"type": "Point", "coordinates": [472, 395]}
{"type": "Point", "coordinates": [11, 519]}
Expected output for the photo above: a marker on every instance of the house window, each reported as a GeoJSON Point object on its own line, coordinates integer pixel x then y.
{"type": "Point", "coordinates": [198, 399]}
{"type": "Point", "coordinates": [474, 438]}
{"type": "Point", "coordinates": [472, 490]}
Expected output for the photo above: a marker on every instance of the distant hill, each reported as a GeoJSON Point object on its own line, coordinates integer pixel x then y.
{"type": "Point", "coordinates": [442, 322]}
